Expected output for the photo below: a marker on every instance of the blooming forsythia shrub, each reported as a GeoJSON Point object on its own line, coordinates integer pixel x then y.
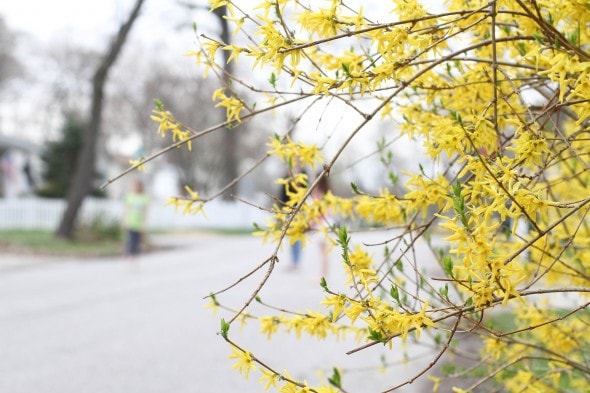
{"type": "Point", "coordinates": [498, 94]}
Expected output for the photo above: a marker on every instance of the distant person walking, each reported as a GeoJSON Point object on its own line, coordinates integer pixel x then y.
{"type": "Point", "coordinates": [284, 197]}
{"type": "Point", "coordinates": [134, 220]}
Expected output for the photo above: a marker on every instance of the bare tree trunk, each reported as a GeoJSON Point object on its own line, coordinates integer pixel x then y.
{"type": "Point", "coordinates": [229, 141]}
{"type": "Point", "coordinates": [85, 166]}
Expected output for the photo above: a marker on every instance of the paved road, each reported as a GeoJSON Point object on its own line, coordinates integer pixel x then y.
{"type": "Point", "coordinates": [112, 326]}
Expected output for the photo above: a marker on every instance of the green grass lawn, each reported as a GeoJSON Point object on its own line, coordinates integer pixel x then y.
{"type": "Point", "coordinates": [89, 241]}
{"type": "Point", "coordinates": [43, 242]}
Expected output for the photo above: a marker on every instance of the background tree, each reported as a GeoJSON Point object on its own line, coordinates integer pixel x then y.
{"type": "Point", "coordinates": [68, 71]}
{"type": "Point", "coordinates": [53, 82]}
{"type": "Point", "coordinates": [9, 65]}
{"type": "Point", "coordinates": [173, 85]}
{"type": "Point", "coordinates": [85, 167]}
{"type": "Point", "coordinates": [229, 141]}
{"type": "Point", "coordinates": [496, 95]}
{"type": "Point", "coordinates": [230, 138]}
{"type": "Point", "coordinates": [59, 159]}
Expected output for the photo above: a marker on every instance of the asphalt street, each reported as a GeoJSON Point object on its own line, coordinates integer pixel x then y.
{"type": "Point", "coordinates": [119, 326]}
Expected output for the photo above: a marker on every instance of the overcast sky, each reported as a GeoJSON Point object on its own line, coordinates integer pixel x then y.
{"type": "Point", "coordinates": [49, 19]}
{"type": "Point", "coordinates": [43, 25]}
{"type": "Point", "coordinates": [88, 22]}
{"type": "Point", "coordinates": [91, 22]}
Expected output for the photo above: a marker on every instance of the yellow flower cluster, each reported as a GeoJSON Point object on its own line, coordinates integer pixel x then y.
{"type": "Point", "coordinates": [384, 209]}
{"type": "Point", "coordinates": [295, 154]}
{"type": "Point", "coordinates": [168, 124]}
{"type": "Point", "coordinates": [424, 193]}
{"type": "Point", "coordinates": [321, 23]}
{"type": "Point", "coordinates": [192, 205]}
{"type": "Point", "coordinates": [273, 51]}
{"type": "Point", "coordinates": [233, 106]}
{"type": "Point", "coordinates": [498, 95]}
{"type": "Point", "coordinates": [246, 362]}
{"type": "Point", "coordinates": [138, 163]}
{"type": "Point", "coordinates": [563, 336]}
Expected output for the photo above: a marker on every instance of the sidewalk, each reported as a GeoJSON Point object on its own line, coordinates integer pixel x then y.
{"type": "Point", "coordinates": [11, 261]}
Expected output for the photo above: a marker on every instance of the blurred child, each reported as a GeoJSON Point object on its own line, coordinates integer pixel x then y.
{"type": "Point", "coordinates": [134, 219]}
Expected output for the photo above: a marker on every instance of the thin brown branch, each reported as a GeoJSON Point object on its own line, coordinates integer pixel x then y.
{"type": "Point", "coordinates": [434, 360]}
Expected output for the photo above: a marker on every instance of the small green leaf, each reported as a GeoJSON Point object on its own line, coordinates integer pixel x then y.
{"type": "Point", "coordinates": [394, 292]}
{"type": "Point", "coordinates": [195, 27]}
{"type": "Point", "coordinates": [457, 189]}
{"type": "Point", "coordinates": [393, 178]}
{"type": "Point", "coordinates": [574, 38]}
{"type": "Point", "coordinates": [335, 380]}
{"type": "Point", "coordinates": [456, 117]}
{"type": "Point", "coordinates": [448, 265]}
{"type": "Point", "coordinates": [355, 188]}
{"type": "Point", "coordinates": [421, 169]}
{"type": "Point", "coordinates": [343, 236]}
{"type": "Point", "coordinates": [323, 284]}
{"type": "Point", "coordinates": [346, 69]}
{"type": "Point", "coordinates": [444, 291]}
{"type": "Point", "coordinates": [376, 336]}
{"type": "Point", "coordinates": [258, 299]}
{"type": "Point", "coordinates": [343, 241]}
{"type": "Point", "coordinates": [224, 328]}
{"type": "Point", "coordinates": [448, 369]}
{"type": "Point", "coordinates": [273, 79]}
{"type": "Point", "coordinates": [158, 104]}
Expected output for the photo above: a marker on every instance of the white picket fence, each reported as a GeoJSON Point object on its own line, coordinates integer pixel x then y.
{"type": "Point", "coordinates": [39, 213]}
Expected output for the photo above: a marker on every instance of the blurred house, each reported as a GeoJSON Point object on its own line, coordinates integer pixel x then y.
{"type": "Point", "coordinates": [19, 166]}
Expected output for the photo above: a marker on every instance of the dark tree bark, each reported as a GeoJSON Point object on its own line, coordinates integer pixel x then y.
{"type": "Point", "coordinates": [229, 147]}
{"type": "Point", "coordinates": [10, 66]}
{"type": "Point", "coordinates": [85, 166]}
{"type": "Point", "coordinates": [230, 138]}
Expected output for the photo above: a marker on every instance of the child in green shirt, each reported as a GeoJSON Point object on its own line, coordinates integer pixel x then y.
{"type": "Point", "coordinates": [136, 206]}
